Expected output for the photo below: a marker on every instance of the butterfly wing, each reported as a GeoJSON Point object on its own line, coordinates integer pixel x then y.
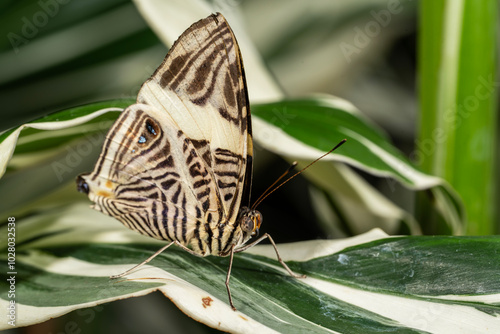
{"type": "Point", "coordinates": [151, 178]}
{"type": "Point", "coordinates": [201, 85]}
{"type": "Point", "coordinates": [177, 165]}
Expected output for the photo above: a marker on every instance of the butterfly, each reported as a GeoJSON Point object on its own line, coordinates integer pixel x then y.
{"type": "Point", "coordinates": [177, 165]}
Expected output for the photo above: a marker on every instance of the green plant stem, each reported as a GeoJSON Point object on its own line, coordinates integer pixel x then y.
{"type": "Point", "coordinates": [458, 102]}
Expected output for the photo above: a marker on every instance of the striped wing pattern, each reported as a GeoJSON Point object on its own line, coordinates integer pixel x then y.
{"type": "Point", "coordinates": [177, 165]}
{"type": "Point", "coordinates": [201, 84]}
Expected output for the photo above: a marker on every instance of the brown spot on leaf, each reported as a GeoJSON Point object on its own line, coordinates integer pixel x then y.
{"type": "Point", "coordinates": [206, 302]}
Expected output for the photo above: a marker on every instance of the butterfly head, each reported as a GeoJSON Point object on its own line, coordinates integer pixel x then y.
{"type": "Point", "coordinates": [250, 221]}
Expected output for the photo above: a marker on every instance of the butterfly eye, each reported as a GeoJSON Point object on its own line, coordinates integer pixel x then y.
{"type": "Point", "coordinates": [257, 218]}
{"type": "Point", "coordinates": [250, 223]}
{"type": "Point", "coordinates": [247, 224]}
{"type": "Point", "coordinates": [81, 185]}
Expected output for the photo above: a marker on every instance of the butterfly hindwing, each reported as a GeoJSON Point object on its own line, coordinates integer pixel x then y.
{"type": "Point", "coordinates": [152, 178]}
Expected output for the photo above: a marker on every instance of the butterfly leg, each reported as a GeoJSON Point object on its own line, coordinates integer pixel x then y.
{"type": "Point", "coordinates": [143, 262]}
{"type": "Point", "coordinates": [244, 248]}
{"type": "Point", "coordinates": [228, 275]}
{"type": "Point", "coordinates": [190, 251]}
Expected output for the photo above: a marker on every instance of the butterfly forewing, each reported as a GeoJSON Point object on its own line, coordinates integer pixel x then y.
{"type": "Point", "coordinates": [177, 164]}
{"type": "Point", "coordinates": [201, 85]}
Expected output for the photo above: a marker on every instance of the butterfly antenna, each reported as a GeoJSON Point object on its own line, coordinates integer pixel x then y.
{"type": "Point", "coordinates": [264, 194]}
{"type": "Point", "coordinates": [270, 189]}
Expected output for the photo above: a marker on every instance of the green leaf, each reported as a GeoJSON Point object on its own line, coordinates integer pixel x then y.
{"type": "Point", "coordinates": [52, 150]}
{"type": "Point", "coordinates": [36, 137]}
{"type": "Point", "coordinates": [306, 128]}
{"type": "Point", "coordinates": [370, 283]}
{"type": "Point", "coordinates": [322, 122]}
